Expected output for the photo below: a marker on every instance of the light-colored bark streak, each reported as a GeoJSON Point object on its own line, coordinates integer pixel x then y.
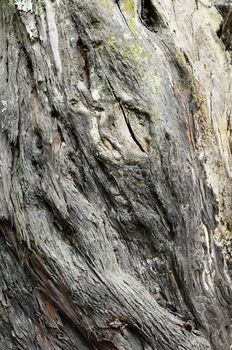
{"type": "Point", "coordinates": [53, 35]}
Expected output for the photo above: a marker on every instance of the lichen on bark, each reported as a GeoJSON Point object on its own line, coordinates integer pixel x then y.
{"type": "Point", "coordinates": [115, 165]}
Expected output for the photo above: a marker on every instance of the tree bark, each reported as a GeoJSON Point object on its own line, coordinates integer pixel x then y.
{"type": "Point", "coordinates": [115, 174]}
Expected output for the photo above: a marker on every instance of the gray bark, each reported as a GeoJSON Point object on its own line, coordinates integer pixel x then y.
{"type": "Point", "coordinates": [115, 174]}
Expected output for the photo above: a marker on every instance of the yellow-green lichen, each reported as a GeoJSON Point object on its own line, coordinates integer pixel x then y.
{"type": "Point", "coordinates": [107, 5]}
{"type": "Point", "coordinates": [135, 50]}
{"type": "Point", "coordinates": [132, 24]}
{"type": "Point", "coordinates": [131, 51]}
{"type": "Point", "coordinates": [40, 8]}
{"type": "Point", "coordinates": [129, 7]}
{"type": "Point", "coordinates": [102, 2]}
{"type": "Point", "coordinates": [138, 58]}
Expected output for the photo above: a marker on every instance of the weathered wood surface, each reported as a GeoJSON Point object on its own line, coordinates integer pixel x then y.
{"type": "Point", "coordinates": [115, 163]}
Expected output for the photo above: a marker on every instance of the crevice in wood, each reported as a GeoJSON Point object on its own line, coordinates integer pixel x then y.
{"type": "Point", "coordinates": [150, 16]}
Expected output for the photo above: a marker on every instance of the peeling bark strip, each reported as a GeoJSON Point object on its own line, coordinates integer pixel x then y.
{"type": "Point", "coordinates": [115, 170]}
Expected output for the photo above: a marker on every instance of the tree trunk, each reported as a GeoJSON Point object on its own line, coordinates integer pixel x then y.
{"type": "Point", "coordinates": [115, 196]}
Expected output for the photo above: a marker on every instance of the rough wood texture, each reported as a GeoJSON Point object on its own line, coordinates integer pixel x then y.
{"type": "Point", "coordinates": [115, 163]}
